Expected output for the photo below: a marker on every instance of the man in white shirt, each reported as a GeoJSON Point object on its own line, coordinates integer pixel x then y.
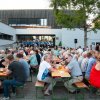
{"type": "Point", "coordinates": [44, 73]}
{"type": "Point", "coordinates": [80, 50]}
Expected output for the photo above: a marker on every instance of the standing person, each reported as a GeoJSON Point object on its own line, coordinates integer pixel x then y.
{"type": "Point", "coordinates": [75, 71]}
{"type": "Point", "coordinates": [38, 57]}
{"type": "Point", "coordinates": [33, 61]}
{"type": "Point", "coordinates": [18, 73]}
{"type": "Point", "coordinates": [56, 51]}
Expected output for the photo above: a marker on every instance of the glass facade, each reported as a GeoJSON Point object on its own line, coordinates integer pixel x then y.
{"type": "Point", "coordinates": [32, 37]}
{"type": "Point", "coordinates": [27, 21]}
{"type": "Point", "coordinates": [43, 37]}
{"type": "Point", "coordinates": [6, 36]}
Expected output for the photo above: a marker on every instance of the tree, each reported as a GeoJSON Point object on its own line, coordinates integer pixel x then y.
{"type": "Point", "coordinates": [60, 43]}
{"type": "Point", "coordinates": [76, 13]}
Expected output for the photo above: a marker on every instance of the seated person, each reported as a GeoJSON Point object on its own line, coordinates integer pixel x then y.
{"type": "Point", "coordinates": [1, 63]}
{"type": "Point", "coordinates": [1, 88]}
{"type": "Point", "coordinates": [43, 75]}
{"type": "Point", "coordinates": [95, 74]}
{"type": "Point", "coordinates": [18, 73]}
{"type": "Point", "coordinates": [25, 64]}
{"type": "Point", "coordinates": [91, 62]}
{"type": "Point", "coordinates": [75, 71]}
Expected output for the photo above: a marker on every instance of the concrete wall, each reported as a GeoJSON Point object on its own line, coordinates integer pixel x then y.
{"type": "Point", "coordinates": [93, 37]}
{"type": "Point", "coordinates": [68, 37]}
{"type": "Point", "coordinates": [7, 30]}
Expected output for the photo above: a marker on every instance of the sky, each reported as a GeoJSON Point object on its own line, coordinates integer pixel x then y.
{"type": "Point", "coordinates": [24, 4]}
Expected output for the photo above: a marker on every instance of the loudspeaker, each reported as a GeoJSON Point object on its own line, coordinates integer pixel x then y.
{"type": "Point", "coordinates": [75, 40]}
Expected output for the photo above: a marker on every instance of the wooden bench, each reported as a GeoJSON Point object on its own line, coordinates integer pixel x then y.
{"type": "Point", "coordinates": [39, 86]}
{"type": "Point", "coordinates": [81, 86]}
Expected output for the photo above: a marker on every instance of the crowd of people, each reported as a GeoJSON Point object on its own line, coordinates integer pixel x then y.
{"type": "Point", "coordinates": [37, 42]}
{"type": "Point", "coordinates": [83, 65]}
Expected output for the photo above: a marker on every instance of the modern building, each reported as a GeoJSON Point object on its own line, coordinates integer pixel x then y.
{"type": "Point", "coordinates": [23, 25]}
{"type": "Point", "coordinates": [7, 34]}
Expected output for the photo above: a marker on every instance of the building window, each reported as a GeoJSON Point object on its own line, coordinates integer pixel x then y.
{"type": "Point", "coordinates": [43, 22]}
{"type": "Point", "coordinates": [6, 36]}
{"type": "Point", "coordinates": [27, 21]}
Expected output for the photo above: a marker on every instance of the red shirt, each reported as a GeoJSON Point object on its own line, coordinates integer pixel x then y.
{"type": "Point", "coordinates": [95, 77]}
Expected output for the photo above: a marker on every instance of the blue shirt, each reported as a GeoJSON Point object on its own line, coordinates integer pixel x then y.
{"type": "Point", "coordinates": [74, 68]}
{"type": "Point", "coordinates": [56, 52]}
{"type": "Point", "coordinates": [91, 62]}
{"type": "Point", "coordinates": [33, 60]}
{"type": "Point", "coordinates": [26, 66]}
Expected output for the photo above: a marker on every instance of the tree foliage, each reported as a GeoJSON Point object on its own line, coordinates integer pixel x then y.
{"type": "Point", "coordinates": [97, 22]}
{"type": "Point", "coordinates": [75, 13]}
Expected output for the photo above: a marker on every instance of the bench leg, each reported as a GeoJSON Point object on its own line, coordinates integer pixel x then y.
{"type": "Point", "coordinates": [19, 92]}
{"type": "Point", "coordinates": [92, 91]}
{"type": "Point", "coordinates": [79, 96]}
{"type": "Point", "coordinates": [38, 89]}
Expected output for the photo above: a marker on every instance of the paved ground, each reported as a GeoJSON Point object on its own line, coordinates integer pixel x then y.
{"type": "Point", "coordinates": [60, 93]}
